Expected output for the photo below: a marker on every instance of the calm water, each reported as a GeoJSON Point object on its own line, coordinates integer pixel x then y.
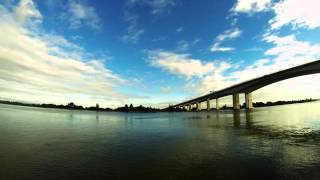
{"type": "Point", "coordinates": [280, 142]}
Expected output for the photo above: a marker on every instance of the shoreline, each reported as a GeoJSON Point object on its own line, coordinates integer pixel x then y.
{"type": "Point", "coordinates": [141, 109]}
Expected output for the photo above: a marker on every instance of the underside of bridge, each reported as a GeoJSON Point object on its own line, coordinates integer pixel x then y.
{"type": "Point", "coordinates": [249, 86]}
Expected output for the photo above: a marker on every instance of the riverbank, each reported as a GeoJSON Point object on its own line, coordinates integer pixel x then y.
{"type": "Point", "coordinates": [131, 108]}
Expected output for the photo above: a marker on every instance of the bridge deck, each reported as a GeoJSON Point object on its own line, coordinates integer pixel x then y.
{"type": "Point", "coordinates": [256, 83]}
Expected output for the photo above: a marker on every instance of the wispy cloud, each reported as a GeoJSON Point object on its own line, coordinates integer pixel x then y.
{"type": "Point", "coordinates": [160, 38]}
{"type": "Point", "coordinates": [189, 68]}
{"type": "Point", "coordinates": [179, 29]}
{"type": "Point", "coordinates": [166, 89]}
{"type": "Point", "coordinates": [201, 77]}
{"type": "Point", "coordinates": [179, 64]}
{"type": "Point", "coordinates": [186, 45]}
{"type": "Point", "coordinates": [229, 34]}
{"type": "Point", "coordinates": [26, 11]}
{"type": "Point", "coordinates": [133, 33]}
{"type": "Point", "coordinates": [217, 48]}
{"type": "Point", "coordinates": [81, 14]}
{"type": "Point", "coordinates": [156, 6]}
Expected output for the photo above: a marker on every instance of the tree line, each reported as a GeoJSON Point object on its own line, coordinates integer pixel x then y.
{"type": "Point", "coordinates": [140, 108]}
{"type": "Point", "coordinates": [73, 106]}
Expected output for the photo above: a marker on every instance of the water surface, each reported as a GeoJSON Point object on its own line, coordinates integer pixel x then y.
{"type": "Point", "coordinates": [281, 142]}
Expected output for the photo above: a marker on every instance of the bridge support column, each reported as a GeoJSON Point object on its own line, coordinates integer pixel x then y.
{"type": "Point", "coordinates": [248, 97]}
{"type": "Point", "coordinates": [236, 101]}
{"type": "Point", "coordinates": [189, 107]}
{"type": "Point", "coordinates": [198, 106]}
{"type": "Point", "coordinates": [208, 104]}
{"type": "Point", "coordinates": [217, 104]}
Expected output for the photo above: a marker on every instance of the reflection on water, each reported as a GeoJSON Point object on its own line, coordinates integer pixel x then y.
{"type": "Point", "coordinates": [280, 142]}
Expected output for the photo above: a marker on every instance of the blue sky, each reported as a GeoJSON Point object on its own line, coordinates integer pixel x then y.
{"type": "Point", "coordinates": [153, 52]}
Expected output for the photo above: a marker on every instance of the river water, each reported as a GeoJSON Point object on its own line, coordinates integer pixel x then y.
{"type": "Point", "coordinates": [280, 142]}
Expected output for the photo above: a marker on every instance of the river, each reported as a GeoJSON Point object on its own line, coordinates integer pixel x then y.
{"type": "Point", "coordinates": [280, 142]}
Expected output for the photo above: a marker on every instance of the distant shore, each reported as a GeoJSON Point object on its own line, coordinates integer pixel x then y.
{"type": "Point", "coordinates": [73, 106]}
{"type": "Point", "coordinates": [131, 108]}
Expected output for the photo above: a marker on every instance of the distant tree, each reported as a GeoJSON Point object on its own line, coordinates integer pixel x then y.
{"type": "Point", "coordinates": [131, 107]}
{"type": "Point", "coordinates": [126, 107]}
{"type": "Point", "coordinates": [140, 108]}
{"type": "Point", "coordinates": [71, 105]}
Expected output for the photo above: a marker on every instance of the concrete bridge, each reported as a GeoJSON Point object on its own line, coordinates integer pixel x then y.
{"type": "Point", "coordinates": [248, 87]}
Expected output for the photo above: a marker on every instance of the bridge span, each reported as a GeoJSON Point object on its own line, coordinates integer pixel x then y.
{"type": "Point", "coordinates": [249, 86]}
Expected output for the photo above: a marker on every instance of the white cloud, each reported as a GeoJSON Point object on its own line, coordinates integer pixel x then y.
{"type": "Point", "coordinates": [217, 48]}
{"type": "Point", "coordinates": [302, 14]}
{"type": "Point", "coordinates": [288, 47]}
{"type": "Point", "coordinates": [215, 80]}
{"type": "Point", "coordinates": [251, 6]}
{"type": "Point", "coordinates": [39, 67]}
{"type": "Point", "coordinates": [298, 13]}
{"type": "Point", "coordinates": [180, 64]}
{"type": "Point", "coordinates": [81, 14]}
{"type": "Point", "coordinates": [201, 77]}
{"type": "Point", "coordinates": [26, 10]}
{"type": "Point", "coordinates": [229, 34]}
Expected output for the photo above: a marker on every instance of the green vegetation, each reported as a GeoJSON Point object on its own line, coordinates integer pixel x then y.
{"type": "Point", "coordinates": [73, 106]}
{"type": "Point", "coordinates": [140, 108]}
{"type": "Point", "coordinates": [131, 108]}
{"type": "Point", "coordinates": [261, 104]}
